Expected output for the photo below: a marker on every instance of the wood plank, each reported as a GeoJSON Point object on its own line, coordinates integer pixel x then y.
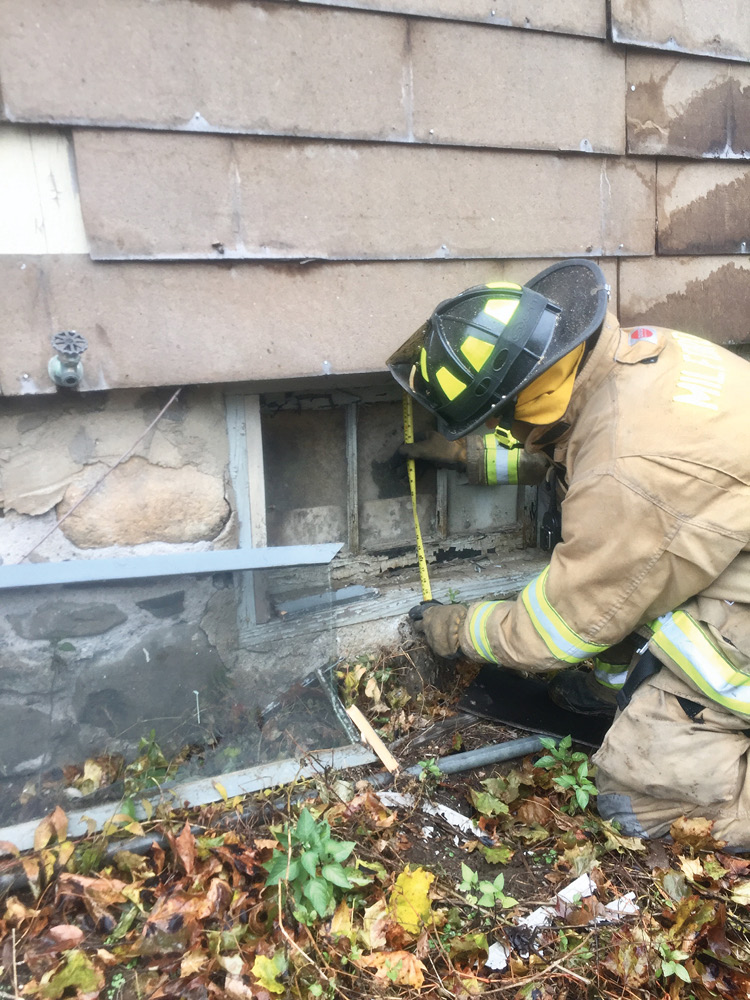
{"type": "Point", "coordinates": [235, 66]}
{"type": "Point", "coordinates": [720, 28]}
{"type": "Point", "coordinates": [687, 107]}
{"type": "Point", "coordinates": [252, 324]}
{"type": "Point", "coordinates": [706, 296]}
{"type": "Point", "coordinates": [702, 208]}
{"type": "Point", "coordinates": [173, 196]}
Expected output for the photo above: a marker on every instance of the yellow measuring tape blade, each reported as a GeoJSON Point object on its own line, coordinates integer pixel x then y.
{"type": "Point", "coordinates": [421, 557]}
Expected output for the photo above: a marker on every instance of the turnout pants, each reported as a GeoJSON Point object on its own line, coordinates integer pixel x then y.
{"type": "Point", "coordinates": [667, 755]}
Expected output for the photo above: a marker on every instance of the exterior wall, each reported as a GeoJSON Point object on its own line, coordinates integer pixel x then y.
{"type": "Point", "coordinates": [234, 196]}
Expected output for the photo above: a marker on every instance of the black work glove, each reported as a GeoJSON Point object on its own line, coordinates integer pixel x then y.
{"type": "Point", "coordinates": [441, 625]}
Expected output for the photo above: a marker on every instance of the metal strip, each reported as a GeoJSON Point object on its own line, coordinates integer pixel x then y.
{"type": "Point", "coordinates": [172, 564]}
{"type": "Point", "coordinates": [204, 790]}
{"type": "Point", "coordinates": [352, 488]}
{"type": "Point", "coordinates": [240, 479]}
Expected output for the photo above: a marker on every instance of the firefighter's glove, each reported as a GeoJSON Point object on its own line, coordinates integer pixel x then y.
{"type": "Point", "coordinates": [441, 624]}
{"type": "Point", "coordinates": [437, 450]}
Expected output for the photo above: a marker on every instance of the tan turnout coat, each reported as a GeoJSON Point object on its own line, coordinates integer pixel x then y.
{"type": "Point", "coordinates": [656, 518]}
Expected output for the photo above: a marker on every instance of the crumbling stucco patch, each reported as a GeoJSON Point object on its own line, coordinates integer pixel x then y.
{"type": "Point", "coordinates": [140, 503]}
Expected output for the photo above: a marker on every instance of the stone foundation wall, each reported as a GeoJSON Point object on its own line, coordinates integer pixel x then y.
{"type": "Point", "coordinates": [171, 489]}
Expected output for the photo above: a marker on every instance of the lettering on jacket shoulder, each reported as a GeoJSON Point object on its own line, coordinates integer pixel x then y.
{"type": "Point", "coordinates": [702, 375]}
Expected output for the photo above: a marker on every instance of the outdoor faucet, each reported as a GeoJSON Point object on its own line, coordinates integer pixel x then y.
{"type": "Point", "coordinates": [65, 368]}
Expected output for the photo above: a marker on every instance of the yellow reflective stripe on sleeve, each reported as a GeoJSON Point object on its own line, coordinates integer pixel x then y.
{"type": "Point", "coordinates": [490, 465]}
{"type": "Point", "coordinates": [611, 675]}
{"type": "Point", "coordinates": [513, 459]}
{"type": "Point", "coordinates": [564, 644]}
{"type": "Point", "coordinates": [688, 646]}
{"type": "Point", "coordinates": [478, 629]}
{"type": "Point", "coordinates": [500, 464]}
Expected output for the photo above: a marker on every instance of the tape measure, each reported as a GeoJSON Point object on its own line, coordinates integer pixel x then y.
{"type": "Point", "coordinates": [424, 579]}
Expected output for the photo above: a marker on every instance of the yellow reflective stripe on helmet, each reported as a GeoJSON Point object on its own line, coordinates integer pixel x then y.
{"type": "Point", "coordinates": [448, 382]}
{"type": "Point", "coordinates": [478, 629]}
{"type": "Point", "coordinates": [501, 464]}
{"type": "Point", "coordinates": [688, 646]}
{"type": "Point", "coordinates": [476, 351]}
{"type": "Point", "coordinates": [610, 675]}
{"type": "Point", "coordinates": [510, 286]}
{"type": "Point", "coordinates": [423, 365]}
{"type": "Point", "coordinates": [501, 309]}
{"type": "Point", "coordinates": [558, 636]}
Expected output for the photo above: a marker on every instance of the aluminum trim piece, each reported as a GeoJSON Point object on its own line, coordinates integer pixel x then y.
{"type": "Point", "coordinates": [202, 791]}
{"type": "Point", "coordinates": [172, 564]}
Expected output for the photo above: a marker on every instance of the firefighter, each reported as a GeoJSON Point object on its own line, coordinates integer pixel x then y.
{"type": "Point", "coordinates": [646, 429]}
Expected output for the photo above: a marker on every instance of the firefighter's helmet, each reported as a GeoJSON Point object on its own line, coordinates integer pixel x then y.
{"type": "Point", "coordinates": [478, 350]}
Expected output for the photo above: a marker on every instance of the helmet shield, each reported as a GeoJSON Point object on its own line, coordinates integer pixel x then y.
{"type": "Point", "coordinates": [479, 349]}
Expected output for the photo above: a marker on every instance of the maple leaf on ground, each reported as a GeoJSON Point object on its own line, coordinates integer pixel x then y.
{"type": "Point", "coordinates": [409, 903]}
{"type": "Point", "coordinates": [42, 951]}
{"type": "Point", "coordinates": [366, 807]}
{"type": "Point", "coordinates": [692, 868]}
{"type": "Point", "coordinates": [691, 920]}
{"type": "Point", "coordinates": [399, 967]}
{"type": "Point", "coordinates": [695, 833]}
{"type": "Point", "coordinates": [268, 970]}
{"type": "Point", "coordinates": [193, 961]}
{"type": "Point", "coordinates": [78, 974]}
{"type": "Point", "coordinates": [738, 866]}
{"type": "Point", "coordinates": [98, 895]}
{"type": "Point", "coordinates": [628, 959]}
{"type": "Point", "coordinates": [535, 811]}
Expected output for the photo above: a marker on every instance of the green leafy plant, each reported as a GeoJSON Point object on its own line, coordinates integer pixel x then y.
{"type": "Point", "coordinates": [573, 771]}
{"type": "Point", "coordinates": [671, 963]}
{"type": "Point", "coordinates": [115, 985]}
{"type": "Point", "coordinates": [429, 772]}
{"type": "Point", "coordinates": [150, 768]}
{"type": "Point", "coordinates": [453, 597]}
{"type": "Point", "coordinates": [309, 866]}
{"type": "Point", "coordinates": [482, 891]}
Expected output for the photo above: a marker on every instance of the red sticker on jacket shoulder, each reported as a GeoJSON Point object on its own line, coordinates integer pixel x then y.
{"type": "Point", "coordinates": [642, 333]}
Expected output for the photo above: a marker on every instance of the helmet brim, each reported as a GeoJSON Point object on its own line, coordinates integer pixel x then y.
{"type": "Point", "coordinates": [580, 291]}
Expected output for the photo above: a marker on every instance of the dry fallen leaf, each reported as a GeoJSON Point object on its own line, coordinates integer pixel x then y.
{"type": "Point", "coordinates": [341, 921]}
{"type": "Point", "coordinates": [184, 847]}
{"type": "Point", "coordinates": [409, 904]}
{"type": "Point", "coordinates": [535, 810]}
{"type": "Point", "coordinates": [374, 924]}
{"type": "Point", "coordinates": [691, 868]}
{"type": "Point", "coordinates": [399, 967]}
{"type": "Point", "coordinates": [54, 826]}
{"type": "Point", "coordinates": [696, 833]}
